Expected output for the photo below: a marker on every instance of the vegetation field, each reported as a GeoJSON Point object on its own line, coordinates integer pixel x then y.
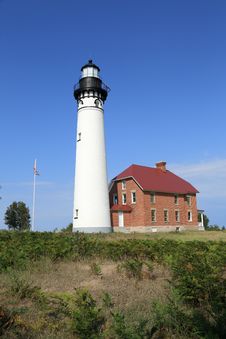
{"type": "Point", "coordinates": [62, 285]}
{"type": "Point", "coordinates": [184, 236]}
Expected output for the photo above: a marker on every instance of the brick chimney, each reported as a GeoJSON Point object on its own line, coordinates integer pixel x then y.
{"type": "Point", "coordinates": [161, 165]}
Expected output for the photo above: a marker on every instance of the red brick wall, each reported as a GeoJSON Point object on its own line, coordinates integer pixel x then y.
{"type": "Point", "coordinates": [167, 201]}
{"type": "Point", "coordinates": [141, 210]}
{"type": "Point", "coordinates": [137, 216]}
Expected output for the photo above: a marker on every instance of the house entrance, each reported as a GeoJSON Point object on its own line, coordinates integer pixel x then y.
{"type": "Point", "coordinates": [120, 219]}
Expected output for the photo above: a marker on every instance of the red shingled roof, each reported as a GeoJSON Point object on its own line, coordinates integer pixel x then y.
{"type": "Point", "coordinates": [156, 180]}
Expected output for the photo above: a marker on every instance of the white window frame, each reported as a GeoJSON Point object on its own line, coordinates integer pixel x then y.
{"type": "Point", "coordinates": [153, 210]}
{"type": "Point", "coordinates": [176, 198]}
{"type": "Point", "coordinates": [177, 211]}
{"type": "Point", "coordinates": [132, 196]}
{"type": "Point", "coordinates": [115, 197]}
{"type": "Point", "coordinates": [152, 197]}
{"type": "Point", "coordinates": [167, 214]}
{"type": "Point", "coordinates": [190, 219]}
{"type": "Point", "coordinates": [123, 184]}
{"type": "Point", "coordinates": [123, 200]}
{"type": "Point", "coordinates": [188, 199]}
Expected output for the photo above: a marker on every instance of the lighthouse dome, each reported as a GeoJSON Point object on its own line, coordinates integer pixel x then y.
{"type": "Point", "coordinates": [90, 83]}
{"type": "Point", "coordinates": [90, 70]}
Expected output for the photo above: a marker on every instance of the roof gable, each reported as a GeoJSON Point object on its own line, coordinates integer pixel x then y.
{"type": "Point", "coordinates": [156, 180]}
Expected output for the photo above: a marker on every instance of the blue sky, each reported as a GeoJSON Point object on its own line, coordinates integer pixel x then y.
{"type": "Point", "coordinates": [165, 62]}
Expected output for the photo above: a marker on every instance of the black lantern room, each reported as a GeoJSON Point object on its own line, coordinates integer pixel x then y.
{"type": "Point", "coordinates": [90, 82]}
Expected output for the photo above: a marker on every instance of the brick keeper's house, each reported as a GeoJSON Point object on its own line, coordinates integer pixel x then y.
{"type": "Point", "coordinates": [153, 199]}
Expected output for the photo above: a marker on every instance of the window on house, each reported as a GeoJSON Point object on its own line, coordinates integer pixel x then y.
{"type": "Point", "coordinates": [152, 197]}
{"type": "Point", "coordinates": [177, 216]}
{"type": "Point", "coordinates": [123, 198]}
{"type": "Point", "coordinates": [188, 199]}
{"type": "Point", "coordinates": [166, 215]}
{"type": "Point", "coordinates": [115, 199]}
{"type": "Point", "coordinates": [133, 197]}
{"type": "Point", "coordinates": [189, 216]}
{"type": "Point", "coordinates": [153, 215]}
{"type": "Point", "coordinates": [176, 199]}
{"type": "Point", "coordinates": [123, 184]}
{"type": "Point", "coordinates": [79, 136]}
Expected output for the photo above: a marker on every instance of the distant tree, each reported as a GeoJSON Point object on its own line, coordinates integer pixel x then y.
{"type": "Point", "coordinates": [67, 229]}
{"type": "Point", "coordinates": [214, 228]}
{"type": "Point", "coordinates": [17, 216]}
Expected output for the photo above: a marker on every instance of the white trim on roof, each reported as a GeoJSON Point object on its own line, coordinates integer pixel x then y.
{"type": "Point", "coordinates": [151, 190]}
{"type": "Point", "coordinates": [114, 180]}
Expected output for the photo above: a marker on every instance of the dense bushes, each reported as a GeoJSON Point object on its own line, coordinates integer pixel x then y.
{"type": "Point", "coordinates": [18, 248]}
{"type": "Point", "coordinates": [199, 279]}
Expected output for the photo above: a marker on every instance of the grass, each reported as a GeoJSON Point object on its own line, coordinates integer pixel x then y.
{"type": "Point", "coordinates": [183, 236]}
{"type": "Point", "coordinates": [61, 279]}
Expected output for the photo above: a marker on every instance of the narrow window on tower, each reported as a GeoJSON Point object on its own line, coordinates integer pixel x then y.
{"type": "Point", "coordinates": [124, 198]}
{"type": "Point", "coordinates": [76, 214]}
{"type": "Point", "coordinates": [79, 136]}
{"type": "Point", "coordinates": [133, 197]}
{"type": "Point", "coordinates": [123, 184]}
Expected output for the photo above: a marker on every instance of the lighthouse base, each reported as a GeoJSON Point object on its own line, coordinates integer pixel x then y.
{"type": "Point", "coordinates": [93, 229]}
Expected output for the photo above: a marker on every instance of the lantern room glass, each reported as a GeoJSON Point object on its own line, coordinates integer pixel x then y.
{"type": "Point", "coordinates": [90, 72]}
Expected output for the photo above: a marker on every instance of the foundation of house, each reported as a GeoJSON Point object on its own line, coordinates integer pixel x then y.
{"type": "Point", "coordinates": [156, 229]}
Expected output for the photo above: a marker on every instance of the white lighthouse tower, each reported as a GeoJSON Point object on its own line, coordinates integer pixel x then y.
{"type": "Point", "coordinates": [91, 199]}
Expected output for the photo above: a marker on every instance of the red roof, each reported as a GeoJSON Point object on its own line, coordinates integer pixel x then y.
{"type": "Point", "coordinates": [156, 180]}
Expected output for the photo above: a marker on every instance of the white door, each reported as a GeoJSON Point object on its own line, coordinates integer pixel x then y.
{"type": "Point", "coordinates": [120, 219]}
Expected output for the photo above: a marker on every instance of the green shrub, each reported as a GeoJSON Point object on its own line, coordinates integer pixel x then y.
{"type": "Point", "coordinates": [132, 267]}
{"type": "Point", "coordinates": [107, 300]}
{"type": "Point", "coordinates": [21, 287]}
{"type": "Point", "coordinates": [6, 320]}
{"type": "Point", "coordinates": [120, 328]}
{"type": "Point", "coordinates": [12, 327]}
{"type": "Point", "coordinates": [199, 279]}
{"type": "Point", "coordinates": [88, 319]}
{"type": "Point", "coordinates": [172, 320]}
{"type": "Point", "coordinates": [95, 269]}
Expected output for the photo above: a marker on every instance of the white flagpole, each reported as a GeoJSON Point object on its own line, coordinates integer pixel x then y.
{"type": "Point", "coordinates": [33, 208]}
